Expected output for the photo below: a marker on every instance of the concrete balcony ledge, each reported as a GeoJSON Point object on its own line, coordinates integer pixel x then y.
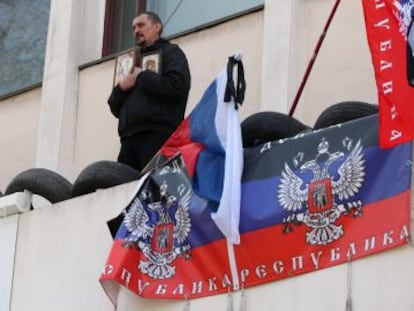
{"type": "Point", "coordinates": [14, 203]}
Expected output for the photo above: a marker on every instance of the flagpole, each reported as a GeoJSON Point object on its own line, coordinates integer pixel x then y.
{"type": "Point", "coordinates": [312, 61]}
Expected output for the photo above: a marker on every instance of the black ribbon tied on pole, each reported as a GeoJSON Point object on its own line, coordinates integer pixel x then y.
{"type": "Point", "coordinates": [235, 91]}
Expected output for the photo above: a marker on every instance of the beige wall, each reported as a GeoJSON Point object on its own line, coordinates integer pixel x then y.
{"type": "Point", "coordinates": [61, 250]}
{"type": "Point", "coordinates": [343, 69]}
{"type": "Point", "coordinates": [19, 116]}
{"type": "Point", "coordinates": [96, 135]}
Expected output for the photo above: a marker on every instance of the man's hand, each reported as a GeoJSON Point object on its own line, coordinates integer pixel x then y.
{"type": "Point", "coordinates": [129, 81]}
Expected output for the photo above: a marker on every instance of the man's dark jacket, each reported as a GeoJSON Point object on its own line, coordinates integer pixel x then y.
{"type": "Point", "coordinates": [157, 101]}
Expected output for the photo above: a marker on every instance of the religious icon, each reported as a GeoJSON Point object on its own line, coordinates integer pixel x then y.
{"type": "Point", "coordinates": [123, 65]}
{"type": "Point", "coordinates": [152, 61]}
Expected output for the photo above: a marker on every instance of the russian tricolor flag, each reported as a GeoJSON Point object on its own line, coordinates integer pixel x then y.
{"type": "Point", "coordinates": [210, 142]}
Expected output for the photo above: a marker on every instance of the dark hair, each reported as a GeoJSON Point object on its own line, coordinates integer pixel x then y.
{"type": "Point", "coordinates": [154, 18]}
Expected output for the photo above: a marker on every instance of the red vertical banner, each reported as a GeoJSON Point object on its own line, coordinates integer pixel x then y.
{"type": "Point", "coordinates": [388, 24]}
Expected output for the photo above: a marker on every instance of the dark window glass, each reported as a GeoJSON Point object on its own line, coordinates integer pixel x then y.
{"type": "Point", "coordinates": [178, 16]}
{"type": "Point", "coordinates": [182, 15]}
{"type": "Point", "coordinates": [124, 13]}
{"type": "Point", "coordinates": [23, 32]}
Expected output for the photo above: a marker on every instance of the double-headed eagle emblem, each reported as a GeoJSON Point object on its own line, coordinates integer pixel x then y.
{"type": "Point", "coordinates": [320, 191]}
{"type": "Point", "coordinates": [403, 11]}
{"type": "Point", "coordinates": [160, 228]}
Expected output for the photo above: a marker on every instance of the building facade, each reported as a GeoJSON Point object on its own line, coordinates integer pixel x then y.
{"type": "Point", "coordinates": [54, 255]}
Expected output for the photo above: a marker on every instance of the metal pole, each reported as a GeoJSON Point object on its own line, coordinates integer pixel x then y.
{"type": "Point", "coordinates": [312, 61]}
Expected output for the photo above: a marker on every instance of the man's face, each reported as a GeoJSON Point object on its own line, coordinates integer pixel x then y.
{"type": "Point", "coordinates": [146, 32]}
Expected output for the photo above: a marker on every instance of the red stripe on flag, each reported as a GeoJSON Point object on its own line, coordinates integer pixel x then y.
{"type": "Point", "coordinates": [266, 255]}
{"type": "Point", "coordinates": [205, 273]}
{"type": "Point", "coordinates": [180, 141]}
{"type": "Point", "coordinates": [269, 254]}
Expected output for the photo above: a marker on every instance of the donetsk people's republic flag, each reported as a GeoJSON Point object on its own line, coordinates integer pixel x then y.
{"type": "Point", "coordinates": [309, 202]}
{"type": "Point", "coordinates": [391, 41]}
{"type": "Point", "coordinates": [322, 199]}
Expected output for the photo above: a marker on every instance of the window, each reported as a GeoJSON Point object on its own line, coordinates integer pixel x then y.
{"type": "Point", "coordinates": [178, 16]}
{"type": "Point", "coordinates": [23, 33]}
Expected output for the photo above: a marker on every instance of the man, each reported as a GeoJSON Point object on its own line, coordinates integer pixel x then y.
{"type": "Point", "coordinates": [150, 105]}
